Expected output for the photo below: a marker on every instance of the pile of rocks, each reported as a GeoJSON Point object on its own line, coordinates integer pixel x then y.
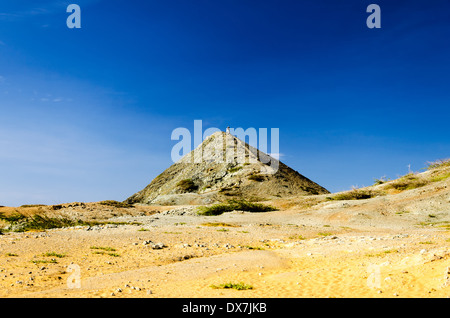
{"type": "Point", "coordinates": [181, 211]}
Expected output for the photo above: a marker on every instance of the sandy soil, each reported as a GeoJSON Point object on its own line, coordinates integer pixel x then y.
{"type": "Point", "coordinates": [333, 249]}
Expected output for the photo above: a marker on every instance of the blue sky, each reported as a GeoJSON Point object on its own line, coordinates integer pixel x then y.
{"type": "Point", "coordinates": [87, 114]}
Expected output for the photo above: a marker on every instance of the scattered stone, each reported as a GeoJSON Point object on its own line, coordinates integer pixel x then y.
{"type": "Point", "coordinates": [158, 246]}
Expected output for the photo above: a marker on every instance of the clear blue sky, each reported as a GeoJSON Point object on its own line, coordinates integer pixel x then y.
{"type": "Point", "coordinates": [86, 114]}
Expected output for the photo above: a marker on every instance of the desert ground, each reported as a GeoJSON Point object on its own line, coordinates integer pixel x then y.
{"type": "Point", "coordinates": [394, 245]}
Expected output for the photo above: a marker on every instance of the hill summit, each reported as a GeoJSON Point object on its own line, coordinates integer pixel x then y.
{"type": "Point", "coordinates": [224, 167]}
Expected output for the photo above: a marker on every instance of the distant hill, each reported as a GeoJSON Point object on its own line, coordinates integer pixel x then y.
{"type": "Point", "coordinates": [228, 169]}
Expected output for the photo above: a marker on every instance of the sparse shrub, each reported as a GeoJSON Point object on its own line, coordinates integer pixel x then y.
{"type": "Point", "coordinates": [407, 182]}
{"type": "Point", "coordinates": [310, 190]}
{"type": "Point", "coordinates": [229, 191]}
{"type": "Point", "coordinates": [235, 205]}
{"type": "Point", "coordinates": [21, 223]}
{"type": "Point", "coordinates": [382, 180]}
{"type": "Point", "coordinates": [52, 261]}
{"type": "Point", "coordinates": [237, 286]}
{"type": "Point", "coordinates": [256, 177]}
{"type": "Point", "coordinates": [440, 177]}
{"type": "Point", "coordinates": [103, 248]}
{"type": "Point", "coordinates": [187, 185]}
{"type": "Point", "coordinates": [297, 237]}
{"type": "Point", "coordinates": [215, 224]}
{"type": "Point", "coordinates": [258, 248]}
{"type": "Point", "coordinates": [16, 217]}
{"type": "Point", "coordinates": [440, 163]}
{"type": "Point", "coordinates": [116, 204]}
{"type": "Point", "coordinates": [355, 194]}
{"type": "Point", "coordinates": [39, 222]}
{"type": "Point", "coordinates": [54, 254]}
{"type": "Point", "coordinates": [114, 254]}
{"type": "Point", "coordinates": [234, 169]}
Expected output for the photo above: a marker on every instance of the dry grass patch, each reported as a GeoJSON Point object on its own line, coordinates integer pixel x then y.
{"type": "Point", "coordinates": [236, 286]}
{"type": "Point", "coordinates": [235, 205]}
{"type": "Point", "coordinates": [438, 164]}
{"type": "Point", "coordinates": [215, 224]}
{"type": "Point", "coordinates": [408, 182]}
{"type": "Point", "coordinates": [355, 194]}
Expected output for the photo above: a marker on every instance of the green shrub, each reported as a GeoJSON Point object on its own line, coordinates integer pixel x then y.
{"type": "Point", "coordinates": [234, 169]}
{"type": "Point", "coordinates": [54, 254]}
{"type": "Point", "coordinates": [440, 177]}
{"type": "Point", "coordinates": [23, 223]}
{"type": "Point", "coordinates": [103, 248]}
{"type": "Point", "coordinates": [235, 205]}
{"type": "Point", "coordinates": [14, 218]}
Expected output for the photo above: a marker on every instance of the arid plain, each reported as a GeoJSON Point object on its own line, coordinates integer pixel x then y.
{"type": "Point", "coordinates": [393, 244]}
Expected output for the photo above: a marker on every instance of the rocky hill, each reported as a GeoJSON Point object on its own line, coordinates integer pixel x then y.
{"type": "Point", "coordinates": [224, 167]}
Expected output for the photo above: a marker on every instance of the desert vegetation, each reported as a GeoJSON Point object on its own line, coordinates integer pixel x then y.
{"type": "Point", "coordinates": [407, 182]}
{"type": "Point", "coordinates": [256, 177]}
{"type": "Point", "coordinates": [236, 286]}
{"type": "Point", "coordinates": [116, 204]}
{"type": "Point", "coordinates": [355, 194]}
{"type": "Point", "coordinates": [235, 205]}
